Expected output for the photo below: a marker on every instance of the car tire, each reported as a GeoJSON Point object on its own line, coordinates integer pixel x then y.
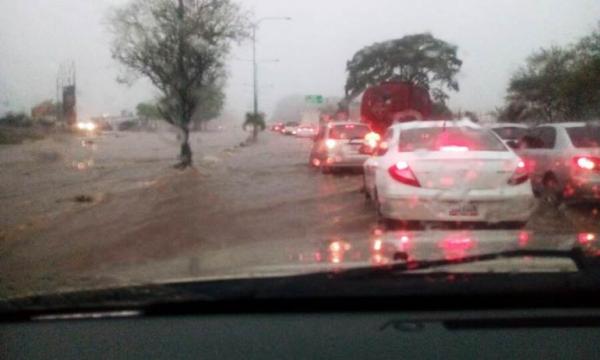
{"type": "Point", "coordinates": [551, 193]}
{"type": "Point", "coordinates": [365, 190]}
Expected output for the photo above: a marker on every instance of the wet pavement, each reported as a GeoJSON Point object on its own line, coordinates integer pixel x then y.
{"type": "Point", "coordinates": [110, 210]}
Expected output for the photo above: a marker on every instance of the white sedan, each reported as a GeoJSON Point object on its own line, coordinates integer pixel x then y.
{"type": "Point", "coordinates": [447, 171]}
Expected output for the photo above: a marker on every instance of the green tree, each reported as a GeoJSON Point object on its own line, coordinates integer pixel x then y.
{"type": "Point", "coordinates": [539, 86]}
{"type": "Point", "coordinates": [257, 122]}
{"type": "Point", "coordinates": [211, 99]}
{"type": "Point", "coordinates": [181, 47]}
{"type": "Point", "coordinates": [419, 59]}
{"type": "Point", "coordinates": [582, 89]}
{"type": "Point", "coordinates": [147, 110]}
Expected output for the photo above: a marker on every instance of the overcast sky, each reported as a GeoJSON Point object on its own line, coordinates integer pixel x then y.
{"type": "Point", "coordinates": [494, 38]}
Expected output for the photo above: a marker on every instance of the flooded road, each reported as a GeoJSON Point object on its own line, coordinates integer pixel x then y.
{"type": "Point", "coordinates": [108, 211]}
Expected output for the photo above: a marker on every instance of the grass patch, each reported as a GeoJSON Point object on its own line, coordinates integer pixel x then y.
{"type": "Point", "coordinates": [15, 135]}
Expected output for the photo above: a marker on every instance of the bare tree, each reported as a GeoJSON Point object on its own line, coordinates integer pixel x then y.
{"type": "Point", "coordinates": [181, 47]}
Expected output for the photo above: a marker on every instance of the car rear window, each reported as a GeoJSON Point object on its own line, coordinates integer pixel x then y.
{"type": "Point", "coordinates": [449, 138]}
{"type": "Point", "coordinates": [510, 132]}
{"type": "Point", "coordinates": [585, 136]}
{"type": "Point", "coordinates": [348, 131]}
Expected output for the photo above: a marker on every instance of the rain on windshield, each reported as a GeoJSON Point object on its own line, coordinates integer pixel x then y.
{"type": "Point", "coordinates": [156, 140]}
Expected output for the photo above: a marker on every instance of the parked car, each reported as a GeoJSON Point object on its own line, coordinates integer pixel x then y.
{"type": "Point", "coordinates": [510, 133]}
{"type": "Point", "coordinates": [564, 160]}
{"type": "Point", "coordinates": [290, 128]}
{"type": "Point", "coordinates": [306, 131]}
{"type": "Point", "coordinates": [337, 145]}
{"type": "Point", "coordinates": [447, 171]}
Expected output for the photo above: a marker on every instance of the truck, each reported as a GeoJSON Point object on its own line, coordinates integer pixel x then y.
{"type": "Point", "coordinates": [394, 101]}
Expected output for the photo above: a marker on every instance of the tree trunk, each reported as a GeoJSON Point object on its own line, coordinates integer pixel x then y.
{"type": "Point", "coordinates": [255, 130]}
{"type": "Point", "coordinates": [185, 157]}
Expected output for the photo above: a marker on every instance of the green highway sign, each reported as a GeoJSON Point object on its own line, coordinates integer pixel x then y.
{"type": "Point", "coordinates": [314, 99]}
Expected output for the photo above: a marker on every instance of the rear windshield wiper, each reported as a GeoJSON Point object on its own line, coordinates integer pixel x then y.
{"type": "Point", "coordinates": [401, 265]}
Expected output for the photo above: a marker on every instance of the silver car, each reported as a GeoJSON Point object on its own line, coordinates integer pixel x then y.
{"type": "Point", "coordinates": [564, 161]}
{"type": "Point", "coordinates": [510, 133]}
{"type": "Point", "coordinates": [338, 145]}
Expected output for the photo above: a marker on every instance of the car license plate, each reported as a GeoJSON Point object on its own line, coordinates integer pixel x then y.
{"type": "Point", "coordinates": [464, 210]}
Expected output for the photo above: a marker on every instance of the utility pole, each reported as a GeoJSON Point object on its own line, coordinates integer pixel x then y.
{"type": "Point", "coordinates": [255, 69]}
{"type": "Point", "coordinates": [254, 62]}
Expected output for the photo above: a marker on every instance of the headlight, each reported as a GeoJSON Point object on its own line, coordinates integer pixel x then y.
{"type": "Point", "coordinates": [86, 125]}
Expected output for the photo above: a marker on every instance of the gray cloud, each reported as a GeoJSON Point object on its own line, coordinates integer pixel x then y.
{"type": "Point", "coordinates": [494, 38]}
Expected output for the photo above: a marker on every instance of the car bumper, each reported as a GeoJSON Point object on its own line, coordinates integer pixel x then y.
{"type": "Point", "coordinates": [586, 191]}
{"type": "Point", "coordinates": [491, 209]}
{"type": "Point", "coordinates": [346, 161]}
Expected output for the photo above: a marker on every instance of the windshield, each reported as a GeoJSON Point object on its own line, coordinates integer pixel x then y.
{"type": "Point", "coordinates": [348, 132]}
{"type": "Point", "coordinates": [156, 141]}
{"type": "Point", "coordinates": [510, 132]}
{"type": "Point", "coordinates": [449, 138]}
{"type": "Point", "coordinates": [584, 136]}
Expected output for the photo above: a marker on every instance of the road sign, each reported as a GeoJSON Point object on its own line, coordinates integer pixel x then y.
{"type": "Point", "coordinates": [314, 99]}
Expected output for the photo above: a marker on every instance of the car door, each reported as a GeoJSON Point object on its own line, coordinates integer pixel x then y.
{"type": "Point", "coordinates": [546, 155]}
{"type": "Point", "coordinates": [317, 147]}
{"type": "Point", "coordinates": [530, 151]}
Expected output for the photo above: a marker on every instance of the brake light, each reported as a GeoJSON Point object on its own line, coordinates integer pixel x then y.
{"type": "Point", "coordinates": [401, 172]}
{"type": "Point", "coordinates": [587, 163]}
{"type": "Point", "coordinates": [585, 238]}
{"type": "Point", "coordinates": [330, 143]}
{"type": "Point", "coordinates": [520, 175]}
{"type": "Point", "coordinates": [372, 138]}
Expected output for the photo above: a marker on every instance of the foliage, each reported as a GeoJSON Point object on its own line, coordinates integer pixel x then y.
{"type": "Point", "coordinates": [419, 59]}
{"type": "Point", "coordinates": [211, 100]}
{"type": "Point", "coordinates": [180, 46]}
{"type": "Point", "coordinates": [147, 110]}
{"type": "Point", "coordinates": [16, 120]}
{"type": "Point", "coordinates": [557, 84]}
{"type": "Point", "coordinates": [255, 121]}
{"type": "Point", "coordinates": [441, 110]}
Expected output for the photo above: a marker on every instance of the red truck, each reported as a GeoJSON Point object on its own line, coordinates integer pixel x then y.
{"type": "Point", "coordinates": [390, 102]}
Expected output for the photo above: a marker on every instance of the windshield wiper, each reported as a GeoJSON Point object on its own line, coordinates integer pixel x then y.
{"type": "Point", "coordinates": [577, 255]}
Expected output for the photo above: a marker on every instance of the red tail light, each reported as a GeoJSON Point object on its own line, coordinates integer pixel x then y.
{"type": "Point", "coordinates": [520, 175]}
{"type": "Point", "coordinates": [587, 162]}
{"type": "Point", "coordinates": [585, 238]}
{"type": "Point", "coordinates": [402, 172]}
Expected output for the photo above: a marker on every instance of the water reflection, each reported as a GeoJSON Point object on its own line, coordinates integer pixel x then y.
{"type": "Point", "coordinates": [85, 161]}
{"type": "Point", "coordinates": [383, 248]}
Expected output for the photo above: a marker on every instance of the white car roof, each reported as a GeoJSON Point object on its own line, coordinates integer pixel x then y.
{"type": "Point", "coordinates": [565, 124]}
{"type": "Point", "coordinates": [503, 124]}
{"type": "Point", "coordinates": [420, 124]}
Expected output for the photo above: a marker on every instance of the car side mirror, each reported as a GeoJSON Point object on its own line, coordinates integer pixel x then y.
{"type": "Point", "coordinates": [513, 144]}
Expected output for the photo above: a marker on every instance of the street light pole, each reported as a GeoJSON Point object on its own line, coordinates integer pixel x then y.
{"type": "Point", "coordinates": [254, 62]}
{"type": "Point", "coordinates": [255, 68]}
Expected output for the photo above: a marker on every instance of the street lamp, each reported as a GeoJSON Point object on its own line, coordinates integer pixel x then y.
{"type": "Point", "coordinates": [254, 62]}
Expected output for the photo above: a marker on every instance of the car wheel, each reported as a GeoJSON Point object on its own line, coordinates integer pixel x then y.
{"type": "Point", "coordinates": [551, 193]}
{"type": "Point", "coordinates": [381, 219]}
{"type": "Point", "coordinates": [365, 190]}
